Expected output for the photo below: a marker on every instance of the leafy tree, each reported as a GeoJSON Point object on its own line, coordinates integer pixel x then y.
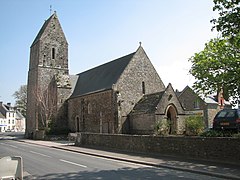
{"type": "Point", "coordinates": [228, 22]}
{"type": "Point", "coordinates": [21, 99]}
{"type": "Point", "coordinates": [216, 67]}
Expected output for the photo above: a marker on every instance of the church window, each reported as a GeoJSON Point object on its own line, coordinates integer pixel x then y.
{"type": "Point", "coordinates": [53, 53]}
{"type": "Point", "coordinates": [89, 108]}
{"type": "Point", "coordinates": [143, 87]}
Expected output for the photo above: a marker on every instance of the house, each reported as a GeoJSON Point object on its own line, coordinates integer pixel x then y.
{"type": "Point", "coordinates": [104, 99]}
{"type": "Point", "coordinates": [3, 123]}
{"type": "Point", "coordinates": [207, 107]}
{"type": "Point", "coordinates": [10, 118]}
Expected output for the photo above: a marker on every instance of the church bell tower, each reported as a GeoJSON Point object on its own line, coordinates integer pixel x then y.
{"type": "Point", "coordinates": [48, 60]}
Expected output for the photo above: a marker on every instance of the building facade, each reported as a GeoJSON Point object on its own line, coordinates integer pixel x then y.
{"type": "Point", "coordinates": [206, 107]}
{"type": "Point", "coordinates": [125, 95]}
{"type": "Point", "coordinates": [105, 95]}
{"type": "Point", "coordinates": [10, 118]}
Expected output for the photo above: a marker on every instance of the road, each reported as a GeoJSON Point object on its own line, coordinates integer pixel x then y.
{"type": "Point", "coordinates": [49, 163]}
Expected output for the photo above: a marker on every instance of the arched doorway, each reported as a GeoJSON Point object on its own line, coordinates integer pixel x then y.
{"type": "Point", "coordinates": [172, 119]}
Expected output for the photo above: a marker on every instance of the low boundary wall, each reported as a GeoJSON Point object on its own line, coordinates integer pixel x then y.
{"type": "Point", "coordinates": [205, 148]}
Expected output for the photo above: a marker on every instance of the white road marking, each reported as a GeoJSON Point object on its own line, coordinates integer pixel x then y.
{"type": "Point", "coordinates": [12, 146]}
{"type": "Point", "coordinates": [73, 163]}
{"type": "Point", "coordinates": [40, 154]}
{"type": "Point", "coordinates": [135, 164]}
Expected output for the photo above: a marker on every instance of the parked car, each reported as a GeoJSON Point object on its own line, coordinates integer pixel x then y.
{"type": "Point", "coordinates": [227, 119]}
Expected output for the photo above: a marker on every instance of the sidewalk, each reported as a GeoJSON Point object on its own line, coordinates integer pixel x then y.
{"type": "Point", "coordinates": [215, 169]}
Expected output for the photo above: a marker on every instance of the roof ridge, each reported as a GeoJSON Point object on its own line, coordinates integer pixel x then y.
{"type": "Point", "coordinates": [107, 63]}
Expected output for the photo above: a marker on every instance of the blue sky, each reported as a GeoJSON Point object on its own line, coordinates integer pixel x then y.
{"type": "Point", "coordinates": [98, 31]}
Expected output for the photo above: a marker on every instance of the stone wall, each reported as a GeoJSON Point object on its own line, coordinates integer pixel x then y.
{"type": "Point", "coordinates": [215, 149]}
{"type": "Point", "coordinates": [139, 78]}
{"type": "Point", "coordinates": [142, 124]}
{"type": "Point", "coordinates": [48, 57]}
{"type": "Point", "coordinates": [95, 112]}
{"type": "Point", "coordinates": [188, 97]}
{"type": "Point", "coordinates": [211, 113]}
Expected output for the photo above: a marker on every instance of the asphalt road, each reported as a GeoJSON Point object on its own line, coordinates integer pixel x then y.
{"type": "Point", "coordinates": [48, 163]}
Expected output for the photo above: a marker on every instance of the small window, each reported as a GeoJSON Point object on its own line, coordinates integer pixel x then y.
{"type": "Point", "coordinates": [53, 53]}
{"type": "Point", "coordinates": [89, 108]}
{"type": "Point", "coordinates": [12, 121]}
{"type": "Point", "coordinates": [196, 104]}
{"type": "Point", "coordinates": [143, 87]}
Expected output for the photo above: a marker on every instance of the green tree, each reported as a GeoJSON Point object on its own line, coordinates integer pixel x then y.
{"type": "Point", "coordinates": [216, 67]}
{"type": "Point", "coordinates": [21, 99]}
{"type": "Point", "coordinates": [228, 22]}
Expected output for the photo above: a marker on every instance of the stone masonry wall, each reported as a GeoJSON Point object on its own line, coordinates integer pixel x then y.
{"type": "Point", "coordinates": [188, 97]}
{"type": "Point", "coordinates": [48, 57]}
{"type": "Point", "coordinates": [142, 124]}
{"type": "Point", "coordinates": [216, 149]}
{"type": "Point", "coordinates": [130, 85]}
{"type": "Point", "coordinates": [95, 113]}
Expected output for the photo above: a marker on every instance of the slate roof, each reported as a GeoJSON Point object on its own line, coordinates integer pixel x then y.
{"type": "Point", "coordinates": [148, 103]}
{"type": "Point", "coordinates": [102, 77]}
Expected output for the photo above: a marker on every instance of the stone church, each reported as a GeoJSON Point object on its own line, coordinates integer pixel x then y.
{"type": "Point", "coordinates": [125, 95]}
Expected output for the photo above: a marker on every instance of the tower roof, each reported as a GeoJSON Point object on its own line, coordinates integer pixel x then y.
{"type": "Point", "coordinates": [44, 27]}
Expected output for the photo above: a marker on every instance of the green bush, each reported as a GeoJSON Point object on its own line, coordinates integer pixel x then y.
{"type": "Point", "coordinates": [237, 135]}
{"type": "Point", "coordinates": [194, 125]}
{"type": "Point", "coordinates": [220, 133]}
{"type": "Point", "coordinates": [162, 127]}
{"type": "Point", "coordinates": [212, 133]}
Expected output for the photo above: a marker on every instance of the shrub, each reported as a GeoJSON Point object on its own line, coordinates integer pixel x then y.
{"type": "Point", "coordinates": [220, 133]}
{"type": "Point", "coordinates": [162, 127]}
{"type": "Point", "coordinates": [194, 125]}
{"type": "Point", "coordinates": [212, 133]}
{"type": "Point", "coordinates": [237, 135]}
